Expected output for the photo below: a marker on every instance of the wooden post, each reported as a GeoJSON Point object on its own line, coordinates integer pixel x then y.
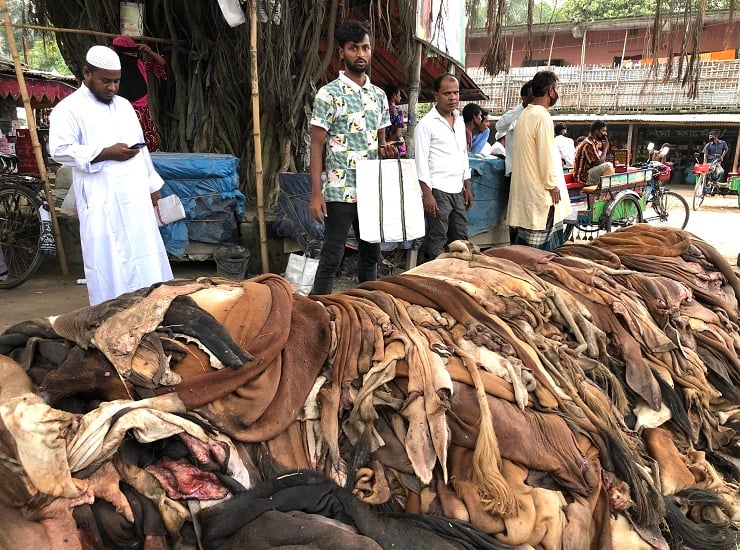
{"type": "Point", "coordinates": [257, 141]}
{"type": "Point", "coordinates": [583, 62]}
{"type": "Point", "coordinates": [619, 73]}
{"type": "Point", "coordinates": [414, 86]}
{"type": "Point", "coordinates": [34, 137]}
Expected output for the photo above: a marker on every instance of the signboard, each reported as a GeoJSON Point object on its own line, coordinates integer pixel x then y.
{"type": "Point", "coordinates": [441, 24]}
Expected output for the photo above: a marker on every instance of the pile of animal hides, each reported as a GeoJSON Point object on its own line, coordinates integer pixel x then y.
{"type": "Point", "coordinates": [587, 398]}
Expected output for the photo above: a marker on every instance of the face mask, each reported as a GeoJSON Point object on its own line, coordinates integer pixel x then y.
{"type": "Point", "coordinates": [554, 100]}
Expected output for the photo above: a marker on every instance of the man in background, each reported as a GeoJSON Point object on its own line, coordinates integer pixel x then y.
{"type": "Point", "coordinates": [538, 199]}
{"type": "Point", "coordinates": [564, 145]}
{"type": "Point", "coordinates": [507, 123]}
{"type": "Point", "coordinates": [442, 168]}
{"type": "Point", "coordinates": [715, 149]}
{"type": "Point", "coordinates": [472, 115]}
{"type": "Point", "coordinates": [349, 118]}
{"type": "Point", "coordinates": [590, 162]}
{"type": "Point", "coordinates": [499, 146]}
{"type": "Point", "coordinates": [115, 184]}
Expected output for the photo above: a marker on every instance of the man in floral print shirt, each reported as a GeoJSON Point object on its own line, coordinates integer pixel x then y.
{"type": "Point", "coordinates": [349, 114]}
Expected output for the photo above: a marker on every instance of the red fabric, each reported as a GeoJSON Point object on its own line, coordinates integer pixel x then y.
{"type": "Point", "coordinates": [42, 92]}
{"type": "Point", "coordinates": [147, 126]}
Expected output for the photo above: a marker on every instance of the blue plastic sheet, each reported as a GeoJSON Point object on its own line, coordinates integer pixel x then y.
{"type": "Point", "coordinates": [207, 185]}
{"type": "Point", "coordinates": [292, 216]}
{"type": "Point", "coordinates": [490, 195]}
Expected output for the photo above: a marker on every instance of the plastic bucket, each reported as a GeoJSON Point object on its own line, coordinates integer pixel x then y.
{"type": "Point", "coordinates": [231, 262]}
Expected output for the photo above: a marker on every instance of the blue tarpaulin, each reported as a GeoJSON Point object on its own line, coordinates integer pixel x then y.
{"type": "Point", "coordinates": [292, 216]}
{"type": "Point", "coordinates": [207, 185]}
{"type": "Point", "coordinates": [490, 195]}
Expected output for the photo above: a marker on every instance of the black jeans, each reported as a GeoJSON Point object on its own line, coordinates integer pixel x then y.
{"type": "Point", "coordinates": [450, 224]}
{"type": "Point", "coordinates": [340, 217]}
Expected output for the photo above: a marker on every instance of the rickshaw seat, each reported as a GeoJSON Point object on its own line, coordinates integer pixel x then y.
{"type": "Point", "coordinates": [589, 189]}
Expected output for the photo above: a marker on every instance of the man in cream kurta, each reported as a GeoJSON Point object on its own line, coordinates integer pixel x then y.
{"type": "Point", "coordinates": [115, 185]}
{"type": "Point", "coordinates": [538, 200]}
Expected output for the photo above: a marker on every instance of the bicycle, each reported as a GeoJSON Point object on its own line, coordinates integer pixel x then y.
{"type": "Point", "coordinates": [25, 224]}
{"type": "Point", "coordinates": [670, 209]}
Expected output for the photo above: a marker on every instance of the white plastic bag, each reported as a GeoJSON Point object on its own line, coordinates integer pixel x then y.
{"type": "Point", "coordinates": [301, 272]}
{"type": "Point", "coordinates": [232, 12]}
{"type": "Point", "coordinates": [169, 209]}
{"type": "Point", "coordinates": [389, 205]}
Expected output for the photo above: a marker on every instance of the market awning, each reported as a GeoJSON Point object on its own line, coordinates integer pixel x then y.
{"type": "Point", "coordinates": [43, 92]}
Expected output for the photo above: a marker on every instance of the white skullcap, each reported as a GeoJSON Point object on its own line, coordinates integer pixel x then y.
{"type": "Point", "coordinates": [103, 57]}
{"type": "Point", "coordinates": [499, 135]}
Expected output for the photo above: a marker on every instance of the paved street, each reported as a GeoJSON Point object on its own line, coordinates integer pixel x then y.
{"type": "Point", "coordinates": [717, 221]}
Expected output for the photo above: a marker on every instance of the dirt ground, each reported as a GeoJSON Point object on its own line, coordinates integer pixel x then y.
{"type": "Point", "coordinates": [51, 293]}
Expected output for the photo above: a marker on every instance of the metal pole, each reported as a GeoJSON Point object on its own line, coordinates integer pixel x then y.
{"type": "Point", "coordinates": [257, 141]}
{"type": "Point", "coordinates": [34, 137]}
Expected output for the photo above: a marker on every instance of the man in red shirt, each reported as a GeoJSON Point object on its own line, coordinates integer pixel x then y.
{"type": "Point", "coordinates": [589, 162]}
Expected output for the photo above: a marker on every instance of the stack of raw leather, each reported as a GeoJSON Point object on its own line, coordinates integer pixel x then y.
{"type": "Point", "coordinates": [582, 398]}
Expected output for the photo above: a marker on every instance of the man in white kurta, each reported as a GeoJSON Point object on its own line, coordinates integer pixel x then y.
{"type": "Point", "coordinates": [115, 185]}
{"type": "Point", "coordinates": [538, 200]}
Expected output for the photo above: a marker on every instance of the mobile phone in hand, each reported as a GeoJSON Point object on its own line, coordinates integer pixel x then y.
{"type": "Point", "coordinates": [137, 146]}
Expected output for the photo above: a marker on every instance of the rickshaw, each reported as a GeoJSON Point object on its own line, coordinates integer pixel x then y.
{"type": "Point", "coordinates": [707, 183]}
{"type": "Point", "coordinates": [616, 201]}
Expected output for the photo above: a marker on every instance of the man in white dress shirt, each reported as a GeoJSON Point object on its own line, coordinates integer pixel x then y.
{"type": "Point", "coordinates": [442, 168]}
{"type": "Point", "coordinates": [565, 146]}
{"type": "Point", "coordinates": [93, 131]}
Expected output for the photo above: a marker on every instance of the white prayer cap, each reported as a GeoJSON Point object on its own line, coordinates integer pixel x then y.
{"type": "Point", "coordinates": [499, 135]}
{"type": "Point", "coordinates": [103, 57]}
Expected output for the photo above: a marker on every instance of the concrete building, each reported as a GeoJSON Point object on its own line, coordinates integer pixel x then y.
{"type": "Point", "coordinates": [605, 73]}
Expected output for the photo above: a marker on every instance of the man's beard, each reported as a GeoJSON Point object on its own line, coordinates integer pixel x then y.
{"type": "Point", "coordinates": [353, 68]}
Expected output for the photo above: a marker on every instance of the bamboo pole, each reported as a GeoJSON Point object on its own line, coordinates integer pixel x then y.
{"type": "Point", "coordinates": [619, 73]}
{"type": "Point", "coordinates": [34, 138]}
{"type": "Point", "coordinates": [414, 86]}
{"type": "Point", "coordinates": [256, 134]}
{"type": "Point", "coordinates": [90, 33]}
{"type": "Point", "coordinates": [583, 62]}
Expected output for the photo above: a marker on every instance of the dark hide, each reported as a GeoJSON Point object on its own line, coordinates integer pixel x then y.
{"type": "Point", "coordinates": [117, 532]}
{"type": "Point", "coordinates": [185, 317]}
{"type": "Point", "coordinates": [85, 374]}
{"type": "Point", "coordinates": [311, 493]}
{"type": "Point", "coordinates": [684, 533]}
{"type": "Point", "coordinates": [675, 404]}
{"type": "Point", "coordinates": [724, 466]}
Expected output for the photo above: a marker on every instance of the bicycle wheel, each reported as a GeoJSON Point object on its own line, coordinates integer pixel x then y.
{"type": "Point", "coordinates": [20, 231]}
{"type": "Point", "coordinates": [699, 191]}
{"type": "Point", "coordinates": [671, 210]}
{"type": "Point", "coordinates": [626, 211]}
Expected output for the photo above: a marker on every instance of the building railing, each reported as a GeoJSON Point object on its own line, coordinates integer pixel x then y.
{"type": "Point", "coordinates": [599, 90]}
